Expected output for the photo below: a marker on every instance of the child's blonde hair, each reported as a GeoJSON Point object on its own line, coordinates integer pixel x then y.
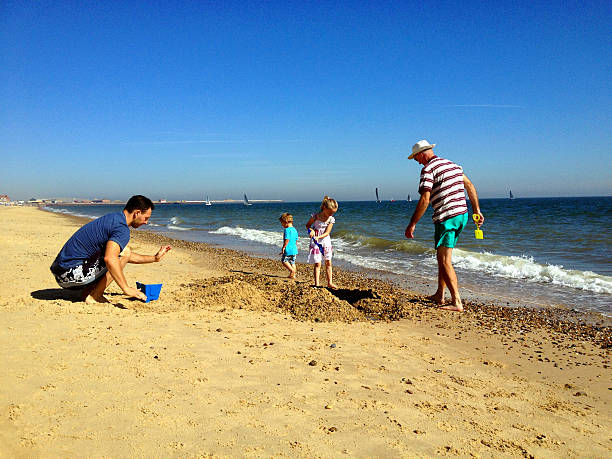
{"type": "Point", "coordinates": [286, 218]}
{"type": "Point", "coordinates": [329, 203]}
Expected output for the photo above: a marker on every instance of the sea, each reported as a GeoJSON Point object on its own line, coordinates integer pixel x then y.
{"type": "Point", "coordinates": [536, 252]}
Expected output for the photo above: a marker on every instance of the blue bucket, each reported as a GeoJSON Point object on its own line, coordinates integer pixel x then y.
{"type": "Point", "coordinates": [151, 290]}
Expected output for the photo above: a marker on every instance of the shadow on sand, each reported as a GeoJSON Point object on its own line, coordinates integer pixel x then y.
{"type": "Point", "coordinates": [352, 296]}
{"type": "Point", "coordinates": [57, 294]}
{"type": "Point", "coordinates": [73, 296]}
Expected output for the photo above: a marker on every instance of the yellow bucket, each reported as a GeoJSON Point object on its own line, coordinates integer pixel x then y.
{"type": "Point", "coordinates": [477, 232]}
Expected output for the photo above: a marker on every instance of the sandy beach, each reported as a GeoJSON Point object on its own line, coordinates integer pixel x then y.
{"type": "Point", "coordinates": [234, 360]}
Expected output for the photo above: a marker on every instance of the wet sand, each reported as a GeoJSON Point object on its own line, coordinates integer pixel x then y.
{"type": "Point", "coordinates": [235, 360]}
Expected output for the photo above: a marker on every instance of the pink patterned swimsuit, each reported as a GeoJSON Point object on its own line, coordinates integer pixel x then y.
{"type": "Point", "coordinates": [319, 227]}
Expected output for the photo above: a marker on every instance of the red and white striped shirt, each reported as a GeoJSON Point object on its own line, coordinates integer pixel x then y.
{"type": "Point", "coordinates": [444, 179]}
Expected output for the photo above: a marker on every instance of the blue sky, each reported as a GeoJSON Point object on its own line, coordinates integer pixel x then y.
{"type": "Point", "coordinates": [294, 100]}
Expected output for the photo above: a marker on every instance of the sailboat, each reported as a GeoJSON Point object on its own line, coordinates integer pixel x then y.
{"type": "Point", "coordinates": [207, 202]}
{"type": "Point", "coordinates": [246, 201]}
{"type": "Point", "coordinates": [511, 195]}
{"type": "Point", "coordinates": [408, 199]}
{"type": "Point", "coordinates": [377, 198]}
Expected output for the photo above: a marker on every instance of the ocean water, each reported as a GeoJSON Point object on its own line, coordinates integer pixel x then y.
{"type": "Point", "coordinates": [538, 252]}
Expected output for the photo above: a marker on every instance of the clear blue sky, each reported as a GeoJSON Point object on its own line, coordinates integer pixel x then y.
{"type": "Point", "coordinates": [293, 100]}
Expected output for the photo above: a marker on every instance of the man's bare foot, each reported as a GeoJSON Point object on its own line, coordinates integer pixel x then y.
{"type": "Point", "coordinates": [453, 307]}
{"type": "Point", "coordinates": [291, 276]}
{"type": "Point", "coordinates": [91, 300]}
{"type": "Point", "coordinates": [436, 299]}
{"type": "Point", "coordinates": [332, 286]}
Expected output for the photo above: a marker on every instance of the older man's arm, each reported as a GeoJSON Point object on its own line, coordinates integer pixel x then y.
{"type": "Point", "coordinates": [418, 214]}
{"type": "Point", "coordinates": [471, 191]}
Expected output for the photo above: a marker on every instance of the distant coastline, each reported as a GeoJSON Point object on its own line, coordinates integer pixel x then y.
{"type": "Point", "coordinates": [161, 202]}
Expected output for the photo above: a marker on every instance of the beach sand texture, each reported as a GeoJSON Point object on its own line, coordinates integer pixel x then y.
{"type": "Point", "coordinates": [234, 360]}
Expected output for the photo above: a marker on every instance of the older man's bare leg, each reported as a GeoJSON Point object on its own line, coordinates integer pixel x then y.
{"type": "Point", "coordinates": [438, 297]}
{"type": "Point", "coordinates": [444, 256]}
{"type": "Point", "coordinates": [96, 293]}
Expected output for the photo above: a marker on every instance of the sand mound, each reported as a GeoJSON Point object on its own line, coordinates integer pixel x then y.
{"type": "Point", "coordinates": [264, 293]}
{"type": "Point", "coordinates": [259, 292]}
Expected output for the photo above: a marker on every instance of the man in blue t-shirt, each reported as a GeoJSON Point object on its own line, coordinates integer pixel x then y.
{"type": "Point", "coordinates": [97, 253]}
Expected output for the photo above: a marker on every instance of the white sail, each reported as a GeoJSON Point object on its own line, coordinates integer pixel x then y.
{"type": "Point", "coordinates": [246, 200]}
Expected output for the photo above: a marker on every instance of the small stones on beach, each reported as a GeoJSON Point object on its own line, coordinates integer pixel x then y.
{"type": "Point", "coordinates": [312, 363]}
{"type": "Point", "coordinates": [580, 393]}
{"type": "Point", "coordinates": [406, 381]}
{"type": "Point", "coordinates": [333, 429]}
{"type": "Point", "coordinates": [156, 357]}
{"type": "Point", "coordinates": [218, 330]}
{"type": "Point", "coordinates": [328, 407]}
{"type": "Point", "coordinates": [333, 346]}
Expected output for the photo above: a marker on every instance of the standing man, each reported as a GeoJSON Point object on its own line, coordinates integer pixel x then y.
{"type": "Point", "coordinates": [443, 183]}
{"type": "Point", "coordinates": [97, 253]}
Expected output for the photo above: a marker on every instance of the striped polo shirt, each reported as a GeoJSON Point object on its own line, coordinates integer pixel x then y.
{"type": "Point", "coordinates": [444, 179]}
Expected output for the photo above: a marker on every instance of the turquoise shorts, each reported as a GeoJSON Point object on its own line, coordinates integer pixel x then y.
{"type": "Point", "coordinates": [449, 230]}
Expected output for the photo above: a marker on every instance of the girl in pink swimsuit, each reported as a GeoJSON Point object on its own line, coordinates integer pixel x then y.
{"type": "Point", "coordinates": [319, 227]}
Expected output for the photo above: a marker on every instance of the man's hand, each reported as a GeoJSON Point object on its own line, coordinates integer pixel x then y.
{"type": "Point", "coordinates": [480, 220]}
{"type": "Point", "coordinates": [162, 251]}
{"type": "Point", "coordinates": [410, 231]}
{"type": "Point", "coordinates": [135, 293]}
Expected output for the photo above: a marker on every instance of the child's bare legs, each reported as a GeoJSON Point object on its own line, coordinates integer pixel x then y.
{"type": "Point", "coordinates": [328, 272]}
{"type": "Point", "coordinates": [316, 270]}
{"type": "Point", "coordinates": [291, 268]}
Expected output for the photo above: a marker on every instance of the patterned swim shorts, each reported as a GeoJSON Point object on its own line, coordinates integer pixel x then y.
{"type": "Point", "coordinates": [288, 258]}
{"type": "Point", "coordinates": [82, 275]}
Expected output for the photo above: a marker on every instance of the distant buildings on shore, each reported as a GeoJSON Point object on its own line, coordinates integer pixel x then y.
{"type": "Point", "coordinates": [6, 201]}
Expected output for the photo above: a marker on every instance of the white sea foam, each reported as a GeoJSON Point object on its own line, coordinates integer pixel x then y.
{"type": "Point", "coordinates": [498, 265]}
{"type": "Point", "coordinates": [526, 268]}
{"type": "Point", "coordinates": [249, 234]}
{"type": "Point", "coordinates": [177, 228]}
{"type": "Point", "coordinates": [69, 212]}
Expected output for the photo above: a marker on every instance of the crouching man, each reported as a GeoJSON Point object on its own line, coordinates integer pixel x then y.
{"type": "Point", "coordinates": [97, 253]}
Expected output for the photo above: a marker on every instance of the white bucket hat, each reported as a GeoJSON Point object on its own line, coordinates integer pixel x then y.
{"type": "Point", "coordinates": [420, 146]}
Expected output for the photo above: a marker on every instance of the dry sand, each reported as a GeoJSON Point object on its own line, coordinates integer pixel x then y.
{"type": "Point", "coordinates": [234, 360]}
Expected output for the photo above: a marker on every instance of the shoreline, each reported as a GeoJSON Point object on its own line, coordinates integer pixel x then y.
{"type": "Point", "coordinates": [484, 278]}
{"type": "Point", "coordinates": [512, 312]}
{"type": "Point", "coordinates": [232, 352]}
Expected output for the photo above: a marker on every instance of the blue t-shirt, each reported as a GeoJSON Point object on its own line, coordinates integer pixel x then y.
{"type": "Point", "coordinates": [91, 239]}
{"type": "Point", "coordinates": [291, 234]}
